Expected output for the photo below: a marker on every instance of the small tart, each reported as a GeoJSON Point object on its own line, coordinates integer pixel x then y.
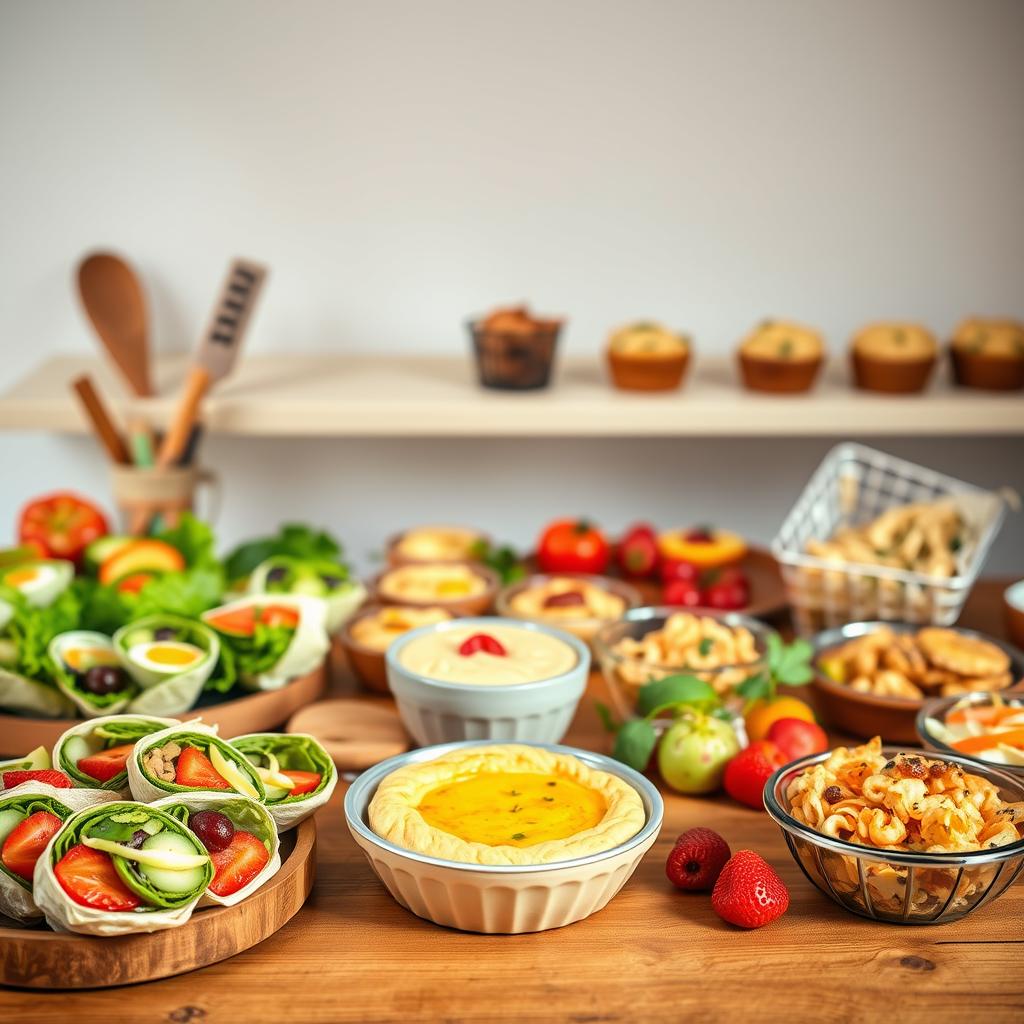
{"type": "Point", "coordinates": [377, 630]}
{"type": "Point", "coordinates": [780, 356]}
{"type": "Point", "coordinates": [437, 544]}
{"type": "Point", "coordinates": [566, 598]}
{"type": "Point", "coordinates": [429, 582]}
{"type": "Point", "coordinates": [647, 357]}
{"type": "Point", "coordinates": [648, 341]}
{"type": "Point", "coordinates": [505, 804]}
{"type": "Point", "coordinates": [989, 354]}
{"type": "Point", "coordinates": [895, 342]}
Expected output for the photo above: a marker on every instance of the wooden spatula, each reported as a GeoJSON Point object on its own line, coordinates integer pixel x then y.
{"type": "Point", "coordinates": [217, 351]}
{"type": "Point", "coordinates": [113, 301]}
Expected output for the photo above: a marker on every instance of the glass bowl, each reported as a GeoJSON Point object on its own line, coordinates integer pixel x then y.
{"type": "Point", "coordinates": [938, 709]}
{"type": "Point", "coordinates": [584, 626]}
{"type": "Point", "coordinates": [898, 886]}
{"type": "Point", "coordinates": [626, 675]}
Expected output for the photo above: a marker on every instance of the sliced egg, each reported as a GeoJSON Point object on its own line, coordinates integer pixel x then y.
{"type": "Point", "coordinates": [79, 650]}
{"type": "Point", "coordinates": [166, 657]}
{"type": "Point", "coordinates": [40, 582]}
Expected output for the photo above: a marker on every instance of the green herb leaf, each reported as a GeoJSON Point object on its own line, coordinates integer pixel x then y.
{"type": "Point", "coordinates": [682, 689]}
{"type": "Point", "coordinates": [635, 743]}
{"type": "Point", "coordinates": [608, 720]}
{"type": "Point", "coordinates": [705, 645]}
{"type": "Point", "coordinates": [790, 664]}
{"type": "Point", "coordinates": [755, 688]}
{"type": "Point", "coordinates": [519, 835]}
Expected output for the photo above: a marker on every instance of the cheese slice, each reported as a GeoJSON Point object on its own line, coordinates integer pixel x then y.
{"type": "Point", "coordinates": [167, 860]}
{"type": "Point", "coordinates": [232, 774]}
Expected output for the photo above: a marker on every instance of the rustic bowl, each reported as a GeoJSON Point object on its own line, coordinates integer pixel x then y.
{"type": "Point", "coordinates": [938, 709]}
{"type": "Point", "coordinates": [476, 604]}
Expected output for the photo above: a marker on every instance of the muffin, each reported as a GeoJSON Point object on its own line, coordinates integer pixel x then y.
{"type": "Point", "coordinates": [514, 349]}
{"type": "Point", "coordinates": [647, 357]}
{"type": "Point", "coordinates": [897, 358]}
{"type": "Point", "coordinates": [989, 353]}
{"type": "Point", "coordinates": [781, 356]}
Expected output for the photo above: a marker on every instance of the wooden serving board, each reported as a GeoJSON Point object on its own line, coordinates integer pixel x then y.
{"type": "Point", "coordinates": [41, 959]}
{"type": "Point", "coordinates": [255, 712]}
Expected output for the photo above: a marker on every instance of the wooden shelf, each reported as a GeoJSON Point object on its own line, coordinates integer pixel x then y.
{"type": "Point", "coordinates": [301, 395]}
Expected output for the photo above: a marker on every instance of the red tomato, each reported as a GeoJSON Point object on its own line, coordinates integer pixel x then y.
{"type": "Point", "coordinates": [683, 592]}
{"type": "Point", "coordinates": [573, 545]}
{"type": "Point", "coordinates": [305, 782]}
{"type": "Point", "coordinates": [89, 877]}
{"type": "Point", "coordinates": [61, 525]}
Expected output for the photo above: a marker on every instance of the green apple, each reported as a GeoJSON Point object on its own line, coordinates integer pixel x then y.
{"type": "Point", "coordinates": [693, 753]}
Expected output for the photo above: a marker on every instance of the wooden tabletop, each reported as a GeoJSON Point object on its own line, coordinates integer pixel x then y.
{"type": "Point", "coordinates": [352, 954]}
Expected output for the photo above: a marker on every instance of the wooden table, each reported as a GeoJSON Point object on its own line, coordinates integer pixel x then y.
{"type": "Point", "coordinates": [352, 954]}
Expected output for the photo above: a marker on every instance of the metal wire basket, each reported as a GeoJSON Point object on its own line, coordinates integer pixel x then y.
{"type": "Point", "coordinates": [898, 886]}
{"type": "Point", "coordinates": [854, 485]}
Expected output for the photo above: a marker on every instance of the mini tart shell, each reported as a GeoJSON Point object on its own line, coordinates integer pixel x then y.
{"type": "Point", "coordinates": [778, 376]}
{"type": "Point", "coordinates": [393, 813]}
{"type": "Point", "coordinates": [988, 372]}
{"type": "Point", "coordinates": [474, 604]}
{"type": "Point", "coordinates": [647, 373]}
{"type": "Point", "coordinates": [896, 377]}
{"type": "Point", "coordinates": [396, 558]}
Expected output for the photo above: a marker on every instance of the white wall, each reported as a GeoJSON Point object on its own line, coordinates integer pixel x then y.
{"type": "Point", "coordinates": [402, 164]}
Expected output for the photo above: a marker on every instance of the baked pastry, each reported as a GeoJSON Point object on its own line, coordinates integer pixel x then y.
{"type": "Point", "coordinates": [514, 349]}
{"type": "Point", "coordinates": [989, 353]}
{"type": "Point", "coordinates": [781, 356]}
{"type": "Point", "coordinates": [436, 544]}
{"type": "Point", "coordinates": [647, 357]}
{"type": "Point", "coordinates": [459, 587]}
{"type": "Point", "coordinates": [893, 357]}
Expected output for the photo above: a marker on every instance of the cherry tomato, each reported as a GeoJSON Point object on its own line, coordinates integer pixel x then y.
{"type": "Point", "coordinates": [677, 569]}
{"type": "Point", "coordinates": [638, 551]}
{"type": "Point", "coordinates": [61, 525]}
{"type": "Point", "coordinates": [686, 593]}
{"type": "Point", "coordinates": [573, 545]}
{"type": "Point", "coordinates": [727, 589]}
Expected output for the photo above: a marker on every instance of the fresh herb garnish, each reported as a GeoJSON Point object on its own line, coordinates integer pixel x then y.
{"type": "Point", "coordinates": [519, 835]}
{"type": "Point", "coordinates": [502, 558]}
{"type": "Point", "coordinates": [705, 645]}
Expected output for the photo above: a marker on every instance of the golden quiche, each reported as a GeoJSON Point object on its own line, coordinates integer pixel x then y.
{"type": "Point", "coordinates": [505, 804]}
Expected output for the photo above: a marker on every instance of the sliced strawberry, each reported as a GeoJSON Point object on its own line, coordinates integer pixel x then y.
{"type": "Point", "coordinates": [279, 615]}
{"type": "Point", "coordinates": [107, 763]}
{"type": "Point", "coordinates": [195, 771]}
{"type": "Point", "coordinates": [236, 866]}
{"type": "Point", "coordinates": [89, 877]}
{"type": "Point", "coordinates": [52, 778]}
{"type": "Point", "coordinates": [133, 583]}
{"type": "Point", "coordinates": [305, 782]}
{"type": "Point", "coordinates": [27, 841]}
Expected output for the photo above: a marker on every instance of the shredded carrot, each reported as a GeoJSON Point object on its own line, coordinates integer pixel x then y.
{"type": "Point", "coordinates": [988, 715]}
{"type": "Point", "coordinates": [976, 744]}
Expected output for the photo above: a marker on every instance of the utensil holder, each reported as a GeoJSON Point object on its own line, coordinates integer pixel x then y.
{"type": "Point", "coordinates": [142, 492]}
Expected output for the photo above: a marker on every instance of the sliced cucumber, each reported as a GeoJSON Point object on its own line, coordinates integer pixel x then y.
{"type": "Point", "coordinates": [153, 826]}
{"type": "Point", "coordinates": [275, 793]}
{"type": "Point", "coordinates": [77, 747]}
{"type": "Point", "coordinates": [9, 821]}
{"type": "Point", "coordinates": [171, 881]}
{"type": "Point", "coordinates": [137, 636]}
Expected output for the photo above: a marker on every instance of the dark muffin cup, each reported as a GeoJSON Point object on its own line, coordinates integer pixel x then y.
{"type": "Point", "coordinates": [647, 373]}
{"type": "Point", "coordinates": [514, 361]}
{"type": "Point", "coordinates": [778, 376]}
{"type": "Point", "coordinates": [991, 373]}
{"type": "Point", "coordinates": [894, 377]}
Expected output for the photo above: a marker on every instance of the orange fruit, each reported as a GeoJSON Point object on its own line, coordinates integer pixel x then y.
{"type": "Point", "coordinates": [762, 714]}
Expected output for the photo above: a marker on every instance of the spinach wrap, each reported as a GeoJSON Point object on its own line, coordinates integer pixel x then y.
{"type": "Point", "coordinates": [190, 757]}
{"type": "Point", "coordinates": [121, 868]}
{"type": "Point", "coordinates": [329, 581]}
{"type": "Point", "coordinates": [30, 815]}
{"type": "Point", "coordinates": [86, 670]}
{"type": "Point", "coordinates": [297, 773]}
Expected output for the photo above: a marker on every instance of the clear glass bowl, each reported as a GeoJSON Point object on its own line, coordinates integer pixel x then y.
{"type": "Point", "coordinates": [898, 886]}
{"type": "Point", "coordinates": [938, 709]}
{"type": "Point", "coordinates": [626, 675]}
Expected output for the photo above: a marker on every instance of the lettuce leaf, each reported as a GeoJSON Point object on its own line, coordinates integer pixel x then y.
{"type": "Point", "coordinates": [31, 629]}
{"type": "Point", "coordinates": [193, 538]}
{"type": "Point", "coordinates": [293, 539]}
{"type": "Point", "coordinates": [253, 655]}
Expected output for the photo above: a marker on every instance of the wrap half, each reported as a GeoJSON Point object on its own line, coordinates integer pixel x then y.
{"type": "Point", "coordinates": [329, 581]}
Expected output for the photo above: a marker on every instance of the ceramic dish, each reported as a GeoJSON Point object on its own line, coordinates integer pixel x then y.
{"type": "Point", "coordinates": [867, 714]}
{"type": "Point", "coordinates": [851, 875]}
{"type": "Point", "coordinates": [501, 899]}
{"type": "Point", "coordinates": [436, 711]}
{"type": "Point", "coordinates": [937, 710]}
{"type": "Point", "coordinates": [472, 604]}
{"type": "Point", "coordinates": [582, 626]}
{"type": "Point", "coordinates": [625, 675]}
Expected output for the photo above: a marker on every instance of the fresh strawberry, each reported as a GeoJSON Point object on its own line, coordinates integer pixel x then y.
{"type": "Point", "coordinates": [89, 877]}
{"type": "Point", "coordinates": [481, 642]}
{"type": "Point", "coordinates": [107, 763]}
{"type": "Point", "coordinates": [237, 865]}
{"type": "Point", "coordinates": [697, 859]}
{"type": "Point", "coordinates": [52, 778]}
{"type": "Point", "coordinates": [305, 782]}
{"type": "Point", "coordinates": [750, 769]}
{"type": "Point", "coordinates": [195, 771]}
{"type": "Point", "coordinates": [797, 738]}
{"type": "Point", "coordinates": [748, 892]}
{"type": "Point", "coordinates": [726, 588]}
{"type": "Point", "coordinates": [685, 593]}
{"type": "Point", "coordinates": [27, 840]}
{"type": "Point", "coordinates": [677, 569]}
{"type": "Point", "coordinates": [638, 551]}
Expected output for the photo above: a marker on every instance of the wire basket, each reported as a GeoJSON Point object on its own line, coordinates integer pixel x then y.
{"type": "Point", "coordinates": [854, 485]}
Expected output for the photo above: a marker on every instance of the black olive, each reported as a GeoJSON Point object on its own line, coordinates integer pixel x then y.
{"type": "Point", "coordinates": [139, 836]}
{"type": "Point", "coordinates": [103, 679]}
{"type": "Point", "coordinates": [332, 582]}
{"type": "Point", "coordinates": [165, 633]}
{"type": "Point", "coordinates": [277, 574]}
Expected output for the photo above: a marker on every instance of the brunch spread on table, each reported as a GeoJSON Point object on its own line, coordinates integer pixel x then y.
{"type": "Point", "coordinates": [136, 818]}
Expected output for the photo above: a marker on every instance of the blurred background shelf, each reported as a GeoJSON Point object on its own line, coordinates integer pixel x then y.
{"type": "Point", "coordinates": [309, 395]}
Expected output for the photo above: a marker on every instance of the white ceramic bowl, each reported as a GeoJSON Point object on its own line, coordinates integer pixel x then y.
{"type": "Point", "coordinates": [440, 712]}
{"type": "Point", "coordinates": [501, 899]}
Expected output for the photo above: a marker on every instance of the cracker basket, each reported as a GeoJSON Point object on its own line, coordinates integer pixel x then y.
{"type": "Point", "coordinates": [853, 485]}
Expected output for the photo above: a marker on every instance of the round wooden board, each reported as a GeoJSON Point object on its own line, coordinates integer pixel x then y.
{"type": "Point", "coordinates": [356, 733]}
{"type": "Point", "coordinates": [255, 712]}
{"type": "Point", "coordinates": [40, 958]}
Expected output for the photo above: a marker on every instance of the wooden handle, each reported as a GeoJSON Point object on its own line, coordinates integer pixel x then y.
{"type": "Point", "coordinates": [102, 424]}
{"type": "Point", "coordinates": [176, 438]}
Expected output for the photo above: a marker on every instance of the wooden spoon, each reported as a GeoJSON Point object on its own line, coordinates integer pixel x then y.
{"type": "Point", "coordinates": [356, 733]}
{"type": "Point", "coordinates": [113, 300]}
